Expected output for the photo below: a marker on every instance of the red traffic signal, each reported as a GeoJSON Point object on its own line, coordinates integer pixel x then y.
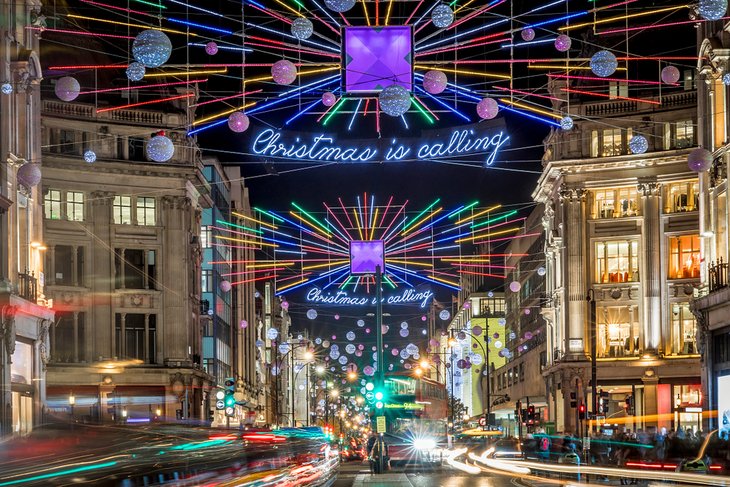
{"type": "Point", "coordinates": [582, 411]}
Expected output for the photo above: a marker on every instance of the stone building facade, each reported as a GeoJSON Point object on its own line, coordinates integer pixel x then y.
{"type": "Point", "coordinates": [25, 311]}
{"type": "Point", "coordinates": [623, 229]}
{"type": "Point", "coordinates": [712, 306]}
{"type": "Point", "coordinates": [123, 260]}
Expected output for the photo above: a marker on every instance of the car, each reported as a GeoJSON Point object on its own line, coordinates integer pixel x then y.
{"type": "Point", "coordinates": [506, 448]}
{"type": "Point", "coordinates": [407, 450]}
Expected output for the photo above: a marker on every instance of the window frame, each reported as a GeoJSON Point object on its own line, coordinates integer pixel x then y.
{"type": "Point", "coordinates": [622, 275]}
{"type": "Point", "coordinates": [144, 209]}
{"type": "Point", "coordinates": [75, 208]}
{"type": "Point", "coordinates": [49, 204]}
{"type": "Point", "coordinates": [675, 269]}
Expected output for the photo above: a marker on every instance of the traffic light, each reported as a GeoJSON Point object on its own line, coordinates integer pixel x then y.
{"type": "Point", "coordinates": [530, 414]}
{"type": "Point", "coordinates": [379, 399]}
{"type": "Point", "coordinates": [573, 400]}
{"type": "Point", "coordinates": [629, 405]}
{"type": "Point", "coordinates": [229, 400]}
{"type": "Point", "coordinates": [582, 411]}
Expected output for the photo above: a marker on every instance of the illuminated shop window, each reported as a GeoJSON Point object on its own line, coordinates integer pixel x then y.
{"type": "Point", "coordinates": [682, 196]}
{"type": "Point", "coordinates": [615, 202]}
{"type": "Point", "coordinates": [617, 261]}
{"type": "Point", "coordinates": [684, 257]}
{"type": "Point", "coordinates": [684, 329]}
{"type": "Point", "coordinates": [617, 332]}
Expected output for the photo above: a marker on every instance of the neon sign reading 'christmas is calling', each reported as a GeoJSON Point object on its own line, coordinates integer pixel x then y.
{"type": "Point", "coordinates": [342, 298]}
{"type": "Point", "coordinates": [321, 147]}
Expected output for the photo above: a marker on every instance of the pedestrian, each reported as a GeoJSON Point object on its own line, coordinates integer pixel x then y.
{"type": "Point", "coordinates": [370, 447]}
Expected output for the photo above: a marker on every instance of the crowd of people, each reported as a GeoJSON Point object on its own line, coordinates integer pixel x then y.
{"type": "Point", "coordinates": [619, 447]}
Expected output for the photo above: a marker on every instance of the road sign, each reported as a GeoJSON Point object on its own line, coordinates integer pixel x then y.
{"type": "Point", "coordinates": [482, 421]}
{"type": "Point", "coordinates": [380, 424]}
{"type": "Point", "coordinates": [230, 411]}
{"type": "Point", "coordinates": [220, 405]}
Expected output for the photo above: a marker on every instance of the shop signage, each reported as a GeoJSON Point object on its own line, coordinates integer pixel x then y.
{"type": "Point", "coordinates": [342, 298]}
{"type": "Point", "coordinates": [475, 140]}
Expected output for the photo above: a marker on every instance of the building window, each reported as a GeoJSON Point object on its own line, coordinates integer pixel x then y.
{"type": "Point", "coordinates": [206, 236]}
{"type": "Point", "coordinates": [134, 269]}
{"type": "Point", "coordinates": [75, 206]}
{"type": "Point", "coordinates": [618, 89]}
{"type": "Point", "coordinates": [684, 257]}
{"type": "Point", "coordinates": [136, 336]}
{"type": "Point", "coordinates": [123, 210]}
{"type": "Point", "coordinates": [617, 332]}
{"type": "Point", "coordinates": [679, 135]}
{"type": "Point", "coordinates": [206, 285]}
{"type": "Point", "coordinates": [145, 211]}
{"type": "Point", "coordinates": [684, 329]}
{"type": "Point", "coordinates": [52, 204]}
{"type": "Point", "coordinates": [682, 196]}
{"type": "Point", "coordinates": [617, 261]}
{"type": "Point", "coordinates": [611, 143]}
{"type": "Point", "coordinates": [615, 202]}
{"type": "Point", "coordinates": [68, 338]}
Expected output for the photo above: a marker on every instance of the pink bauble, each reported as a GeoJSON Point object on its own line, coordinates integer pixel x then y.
{"type": "Point", "coordinates": [476, 331]}
{"type": "Point", "coordinates": [670, 75]}
{"type": "Point", "coordinates": [225, 286]}
{"type": "Point", "coordinates": [434, 82]}
{"type": "Point", "coordinates": [699, 160]}
{"type": "Point", "coordinates": [29, 174]}
{"type": "Point", "coordinates": [285, 305]}
{"type": "Point", "coordinates": [562, 43]}
{"type": "Point", "coordinates": [514, 286]}
{"type": "Point", "coordinates": [395, 352]}
{"type": "Point", "coordinates": [528, 34]}
{"type": "Point", "coordinates": [487, 108]}
{"type": "Point", "coordinates": [328, 98]}
{"type": "Point", "coordinates": [423, 318]}
{"type": "Point", "coordinates": [211, 48]}
{"type": "Point", "coordinates": [284, 72]}
{"type": "Point", "coordinates": [244, 324]}
{"type": "Point", "coordinates": [67, 88]}
{"type": "Point", "coordinates": [238, 122]}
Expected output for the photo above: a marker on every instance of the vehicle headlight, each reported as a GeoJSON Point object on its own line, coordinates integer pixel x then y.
{"type": "Point", "coordinates": [424, 444]}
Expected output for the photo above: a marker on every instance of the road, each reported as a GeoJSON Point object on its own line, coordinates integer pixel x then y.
{"type": "Point", "coordinates": [355, 474]}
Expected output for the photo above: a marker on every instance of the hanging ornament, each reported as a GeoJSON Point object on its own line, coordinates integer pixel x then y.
{"type": "Point", "coordinates": [151, 48]}
{"type": "Point", "coordinates": [442, 16]}
{"type": "Point", "coordinates": [211, 48]}
{"type": "Point", "coordinates": [487, 108]}
{"type": "Point", "coordinates": [29, 175]}
{"type": "Point", "coordinates": [160, 148]}
{"type": "Point", "coordinates": [514, 286]}
{"type": "Point", "coordinates": [135, 71]}
{"type": "Point", "coordinates": [566, 123]}
{"type": "Point", "coordinates": [339, 5]}
{"type": "Point", "coordinates": [670, 75]}
{"type": "Point", "coordinates": [638, 144]}
{"type": "Point", "coordinates": [444, 314]}
{"type": "Point", "coordinates": [541, 271]}
{"type": "Point", "coordinates": [67, 88]}
{"type": "Point", "coordinates": [244, 324]}
{"type": "Point", "coordinates": [285, 305]}
{"type": "Point", "coordinates": [726, 79]}
{"type": "Point", "coordinates": [603, 63]}
{"type": "Point", "coordinates": [90, 156]}
{"type": "Point", "coordinates": [272, 333]}
{"type": "Point", "coordinates": [312, 314]}
{"type": "Point", "coordinates": [562, 43]}
{"type": "Point", "coordinates": [477, 330]}
{"type": "Point", "coordinates": [284, 72]}
{"type": "Point", "coordinates": [713, 9]}
{"type": "Point", "coordinates": [404, 332]}
{"type": "Point", "coordinates": [238, 122]}
{"type": "Point", "coordinates": [394, 100]}
{"type": "Point", "coordinates": [527, 34]}
{"type": "Point", "coordinates": [6, 89]}
{"type": "Point", "coordinates": [434, 81]}
{"type": "Point", "coordinates": [328, 99]}
{"type": "Point", "coordinates": [302, 28]}
{"type": "Point", "coordinates": [699, 160]}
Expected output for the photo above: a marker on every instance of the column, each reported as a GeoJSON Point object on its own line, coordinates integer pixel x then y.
{"type": "Point", "coordinates": [146, 338]}
{"type": "Point", "coordinates": [122, 332]}
{"type": "Point", "coordinates": [76, 337]}
{"type": "Point", "coordinates": [101, 280]}
{"type": "Point", "coordinates": [122, 276]}
{"type": "Point", "coordinates": [51, 271]}
{"type": "Point", "coordinates": [650, 381]}
{"type": "Point", "coordinates": [574, 269]}
{"type": "Point", "coordinates": [650, 265]}
{"type": "Point", "coordinates": [74, 266]}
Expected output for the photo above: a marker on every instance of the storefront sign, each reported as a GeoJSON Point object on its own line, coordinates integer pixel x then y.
{"type": "Point", "coordinates": [342, 298]}
{"type": "Point", "coordinates": [474, 141]}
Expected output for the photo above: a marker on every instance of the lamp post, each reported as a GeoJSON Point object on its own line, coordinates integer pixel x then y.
{"type": "Point", "coordinates": [591, 298]}
{"type": "Point", "coordinates": [71, 403]}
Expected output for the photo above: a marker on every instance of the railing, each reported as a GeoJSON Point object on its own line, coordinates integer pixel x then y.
{"type": "Point", "coordinates": [613, 107]}
{"type": "Point", "coordinates": [28, 287]}
{"type": "Point", "coordinates": [718, 275]}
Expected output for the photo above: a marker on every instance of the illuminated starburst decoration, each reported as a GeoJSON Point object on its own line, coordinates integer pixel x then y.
{"type": "Point", "coordinates": [285, 54]}
{"type": "Point", "coordinates": [433, 245]}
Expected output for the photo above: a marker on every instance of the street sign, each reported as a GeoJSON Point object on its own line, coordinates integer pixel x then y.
{"type": "Point", "coordinates": [230, 411]}
{"type": "Point", "coordinates": [380, 424]}
{"type": "Point", "coordinates": [220, 405]}
{"type": "Point", "coordinates": [482, 421]}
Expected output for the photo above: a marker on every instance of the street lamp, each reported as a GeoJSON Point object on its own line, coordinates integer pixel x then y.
{"type": "Point", "coordinates": [71, 402]}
